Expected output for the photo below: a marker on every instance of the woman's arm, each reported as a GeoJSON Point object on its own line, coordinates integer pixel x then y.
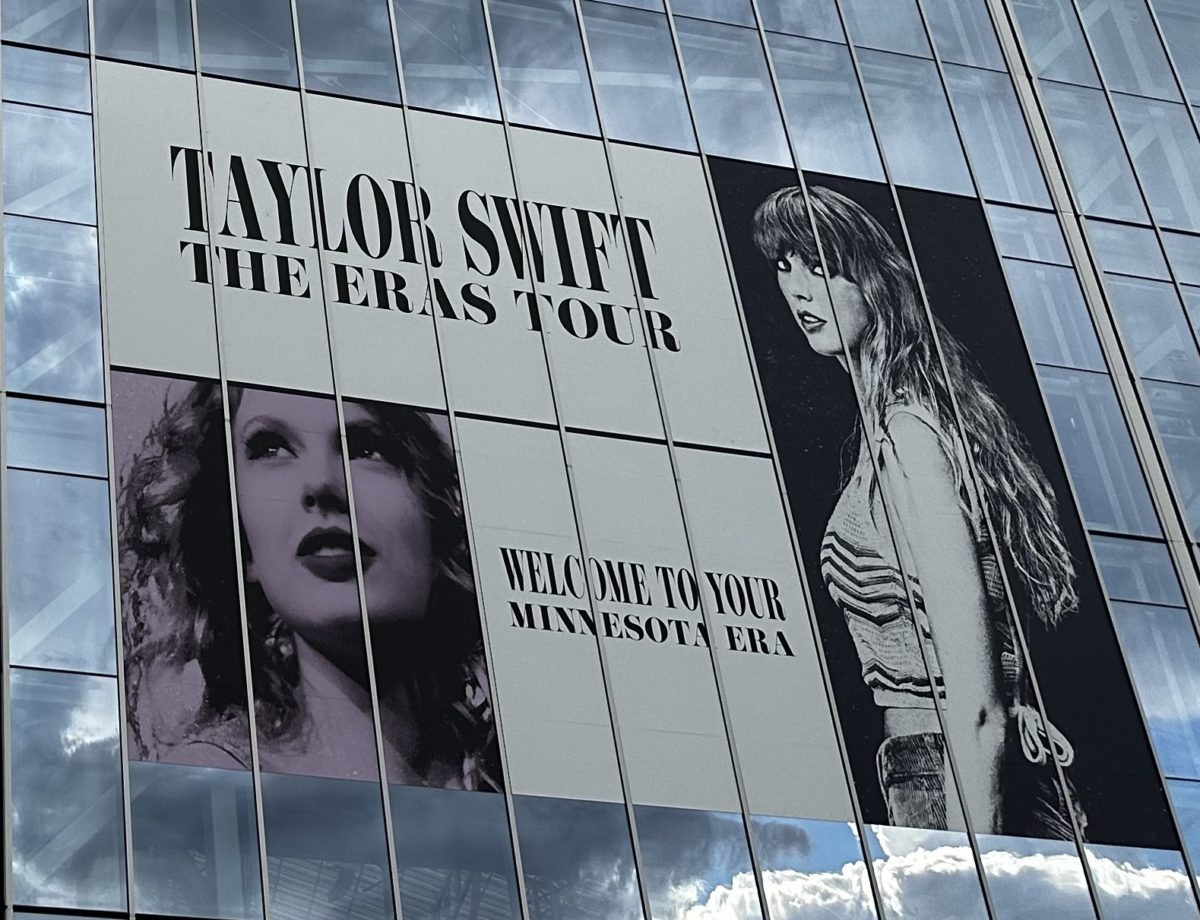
{"type": "Point", "coordinates": [933, 532]}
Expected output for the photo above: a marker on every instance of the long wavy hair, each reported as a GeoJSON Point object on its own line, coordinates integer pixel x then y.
{"type": "Point", "coordinates": [898, 360]}
{"type": "Point", "coordinates": [180, 601]}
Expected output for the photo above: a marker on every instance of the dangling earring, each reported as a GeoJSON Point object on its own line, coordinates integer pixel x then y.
{"type": "Point", "coordinates": [281, 646]}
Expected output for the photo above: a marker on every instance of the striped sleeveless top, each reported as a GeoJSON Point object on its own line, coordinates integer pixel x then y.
{"type": "Point", "coordinates": [863, 576]}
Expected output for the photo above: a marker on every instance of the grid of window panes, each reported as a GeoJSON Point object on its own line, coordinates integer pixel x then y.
{"type": "Point", "coordinates": [870, 89]}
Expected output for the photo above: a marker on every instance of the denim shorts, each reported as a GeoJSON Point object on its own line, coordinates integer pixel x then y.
{"type": "Point", "coordinates": [912, 776]}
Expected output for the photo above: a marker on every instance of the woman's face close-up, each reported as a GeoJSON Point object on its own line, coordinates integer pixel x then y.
{"type": "Point", "coordinates": [814, 306]}
{"type": "Point", "coordinates": [295, 514]}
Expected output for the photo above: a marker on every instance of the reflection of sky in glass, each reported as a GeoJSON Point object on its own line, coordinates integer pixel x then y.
{"type": "Point", "coordinates": [577, 858]}
{"type": "Point", "coordinates": [446, 60]}
{"type": "Point", "coordinates": [62, 24]}
{"type": "Point", "coordinates": [325, 848]}
{"type": "Point", "coordinates": [195, 847]}
{"type": "Point", "coordinates": [48, 167]}
{"type": "Point", "coordinates": [541, 65]}
{"type": "Point", "coordinates": [887, 25]}
{"type": "Point", "coordinates": [60, 572]}
{"type": "Point", "coordinates": [914, 123]}
{"type": "Point", "coordinates": [1135, 570]}
{"type": "Point", "coordinates": [64, 437]}
{"type": "Point", "coordinates": [827, 117]}
{"type": "Point", "coordinates": [812, 868]}
{"type": "Point", "coordinates": [731, 92]}
{"type": "Point", "coordinates": [450, 841]}
{"type": "Point", "coordinates": [145, 31]}
{"type": "Point", "coordinates": [1054, 315]}
{"type": "Point", "coordinates": [251, 41]}
{"type": "Point", "coordinates": [689, 855]}
{"type": "Point", "coordinates": [637, 76]}
{"type": "Point", "coordinates": [1164, 659]}
{"type": "Point", "coordinates": [347, 49]}
{"type": "Point", "coordinates": [1155, 329]}
{"type": "Point", "coordinates": [1008, 861]}
{"type": "Point", "coordinates": [68, 848]}
{"type": "Point", "coordinates": [52, 309]}
{"type": "Point", "coordinates": [46, 78]}
{"type": "Point", "coordinates": [1176, 411]}
{"type": "Point", "coordinates": [1135, 884]}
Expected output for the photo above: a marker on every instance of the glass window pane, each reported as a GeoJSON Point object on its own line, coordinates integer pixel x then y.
{"type": "Point", "coordinates": [1176, 411]}
{"type": "Point", "coordinates": [914, 123]}
{"type": "Point", "coordinates": [1137, 570]}
{"type": "Point", "coordinates": [1092, 149]}
{"type": "Point", "coordinates": [62, 24]}
{"type": "Point", "coordinates": [637, 76]}
{"type": "Point", "coordinates": [1126, 45]}
{"type": "Point", "coordinates": [1155, 329]}
{"type": "Point", "coordinates": [45, 78]}
{"type": "Point", "coordinates": [542, 71]}
{"type": "Point", "coordinates": [68, 845]}
{"type": "Point", "coordinates": [450, 841]}
{"type": "Point", "coordinates": [737, 12]}
{"type": "Point", "coordinates": [52, 309]}
{"type": "Point", "coordinates": [195, 847]}
{"type": "Point", "coordinates": [249, 41]}
{"type": "Point", "coordinates": [731, 92]}
{"type": "Point", "coordinates": [577, 858]}
{"type": "Point", "coordinates": [1098, 451]}
{"type": "Point", "coordinates": [887, 25]}
{"type": "Point", "coordinates": [817, 866]}
{"type": "Point", "coordinates": [1023, 234]}
{"type": "Point", "coordinates": [1125, 876]}
{"type": "Point", "coordinates": [826, 114]}
{"type": "Point", "coordinates": [996, 136]}
{"type": "Point", "coordinates": [1127, 250]}
{"type": "Point", "coordinates": [1183, 252]}
{"type": "Point", "coordinates": [1022, 871]}
{"type": "Point", "coordinates": [326, 852]}
{"type": "Point", "coordinates": [1191, 303]}
{"type": "Point", "coordinates": [62, 437]}
{"type": "Point", "coordinates": [811, 18]}
{"type": "Point", "coordinates": [1185, 796]}
{"type": "Point", "coordinates": [60, 572]}
{"type": "Point", "coordinates": [1164, 660]}
{"type": "Point", "coordinates": [1055, 42]}
{"type": "Point", "coordinates": [1165, 151]}
{"type": "Point", "coordinates": [445, 55]}
{"type": "Point", "coordinates": [145, 32]}
{"type": "Point", "coordinates": [963, 33]}
{"type": "Point", "coordinates": [1180, 21]}
{"type": "Point", "coordinates": [899, 854]}
{"type": "Point", "coordinates": [696, 862]}
{"type": "Point", "coordinates": [48, 168]}
{"type": "Point", "coordinates": [1053, 314]}
{"type": "Point", "coordinates": [347, 49]}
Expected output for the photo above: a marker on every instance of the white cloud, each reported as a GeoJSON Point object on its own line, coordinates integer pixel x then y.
{"type": "Point", "coordinates": [940, 882]}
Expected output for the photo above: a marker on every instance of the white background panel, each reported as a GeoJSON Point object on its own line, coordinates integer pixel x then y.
{"type": "Point", "coordinates": [708, 386]}
{"type": "Point", "coordinates": [269, 338]}
{"type": "Point", "coordinates": [600, 384]}
{"type": "Point", "coordinates": [381, 352]}
{"type": "Point", "coordinates": [157, 316]}
{"type": "Point", "coordinates": [672, 734]}
{"type": "Point", "coordinates": [496, 368]}
{"type": "Point", "coordinates": [779, 714]}
{"type": "Point", "coordinates": [549, 687]}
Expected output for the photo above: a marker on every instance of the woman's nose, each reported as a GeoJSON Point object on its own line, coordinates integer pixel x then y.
{"type": "Point", "coordinates": [799, 285]}
{"type": "Point", "coordinates": [325, 485]}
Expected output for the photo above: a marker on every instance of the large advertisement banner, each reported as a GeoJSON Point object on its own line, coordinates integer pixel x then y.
{"type": "Point", "coordinates": [915, 534]}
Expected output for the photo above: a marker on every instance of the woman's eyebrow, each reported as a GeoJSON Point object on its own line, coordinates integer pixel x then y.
{"type": "Point", "coordinates": [263, 420]}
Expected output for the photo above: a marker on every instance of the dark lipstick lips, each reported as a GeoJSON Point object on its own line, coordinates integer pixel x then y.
{"type": "Point", "coordinates": [328, 552]}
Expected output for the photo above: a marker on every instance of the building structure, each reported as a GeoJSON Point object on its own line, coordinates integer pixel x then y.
{"type": "Point", "coordinates": [427, 493]}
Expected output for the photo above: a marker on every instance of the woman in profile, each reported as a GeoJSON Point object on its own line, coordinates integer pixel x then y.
{"type": "Point", "coordinates": [313, 714]}
{"type": "Point", "coordinates": [911, 505]}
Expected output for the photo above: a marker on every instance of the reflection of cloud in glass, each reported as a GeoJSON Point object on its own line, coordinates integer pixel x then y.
{"type": "Point", "coordinates": [919, 882]}
{"type": "Point", "coordinates": [52, 309]}
{"type": "Point", "coordinates": [66, 834]}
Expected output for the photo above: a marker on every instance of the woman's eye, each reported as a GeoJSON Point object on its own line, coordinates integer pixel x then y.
{"type": "Point", "coordinates": [365, 445]}
{"type": "Point", "coordinates": [817, 270]}
{"type": "Point", "coordinates": [266, 444]}
{"type": "Point", "coordinates": [783, 265]}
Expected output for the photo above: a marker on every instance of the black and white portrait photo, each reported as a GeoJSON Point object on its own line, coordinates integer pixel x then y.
{"type": "Point", "coordinates": [304, 638]}
{"type": "Point", "coordinates": [936, 526]}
